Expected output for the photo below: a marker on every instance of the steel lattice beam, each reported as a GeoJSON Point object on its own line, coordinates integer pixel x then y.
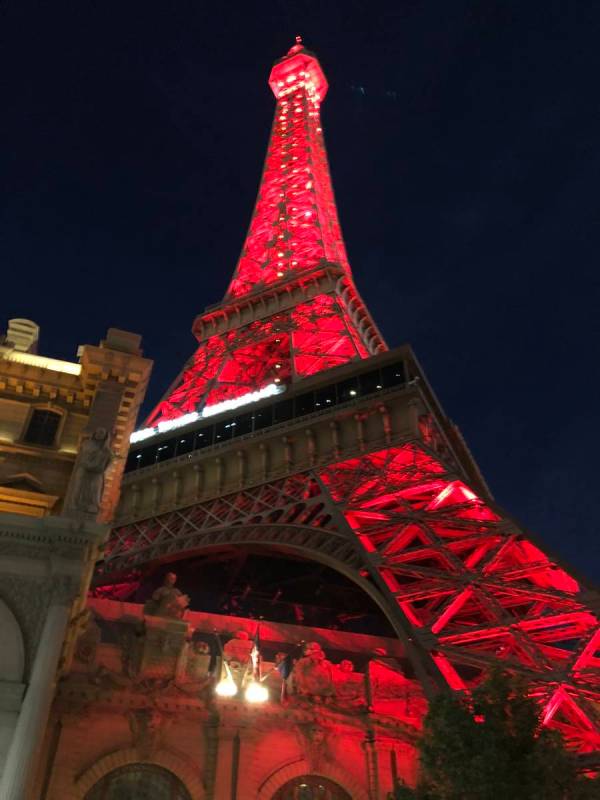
{"type": "Point", "coordinates": [453, 574]}
{"type": "Point", "coordinates": [465, 588]}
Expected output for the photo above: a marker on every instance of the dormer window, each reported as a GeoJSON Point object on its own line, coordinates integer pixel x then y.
{"type": "Point", "coordinates": [43, 427]}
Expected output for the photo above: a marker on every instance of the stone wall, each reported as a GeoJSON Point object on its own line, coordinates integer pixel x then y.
{"type": "Point", "coordinates": [142, 690]}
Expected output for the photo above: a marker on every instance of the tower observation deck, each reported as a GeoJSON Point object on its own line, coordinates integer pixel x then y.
{"type": "Point", "coordinates": [293, 428]}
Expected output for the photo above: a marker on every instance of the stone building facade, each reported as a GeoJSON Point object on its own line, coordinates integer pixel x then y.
{"type": "Point", "coordinates": [64, 431]}
{"type": "Point", "coordinates": [304, 553]}
{"type": "Point", "coordinates": [140, 698]}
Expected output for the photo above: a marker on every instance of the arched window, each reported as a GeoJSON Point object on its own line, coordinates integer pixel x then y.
{"type": "Point", "coordinates": [43, 427]}
{"type": "Point", "coordinates": [311, 787]}
{"type": "Point", "coordinates": [139, 782]}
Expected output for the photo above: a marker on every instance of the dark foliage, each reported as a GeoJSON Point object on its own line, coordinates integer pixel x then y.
{"type": "Point", "coordinates": [491, 746]}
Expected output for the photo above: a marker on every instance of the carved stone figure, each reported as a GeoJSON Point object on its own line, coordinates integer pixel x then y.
{"type": "Point", "coordinates": [167, 601]}
{"type": "Point", "coordinates": [313, 673]}
{"type": "Point", "coordinates": [195, 665]}
{"type": "Point", "coordinates": [88, 640]}
{"type": "Point", "coordinates": [313, 740]}
{"type": "Point", "coordinates": [107, 679]}
{"type": "Point", "coordinates": [349, 685]}
{"type": "Point", "coordinates": [238, 649]}
{"type": "Point", "coordinates": [88, 474]}
{"type": "Point", "coordinates": [145, 725]}
{"type": "Point", "coordinates": [132, 640]}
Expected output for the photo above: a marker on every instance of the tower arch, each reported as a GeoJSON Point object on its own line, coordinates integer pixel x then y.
{"type": "Point", "coordinates": [324, 542]}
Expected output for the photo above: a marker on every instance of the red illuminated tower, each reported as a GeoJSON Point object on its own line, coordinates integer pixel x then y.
{"type": "Point", "coordinates": [298, 430]}
{"type": "Point", "coordinates": [291, 309]}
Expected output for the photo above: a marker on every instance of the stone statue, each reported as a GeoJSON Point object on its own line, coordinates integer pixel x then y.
{"type": "Point", "coordinates": [89, 638]}
{"type": "Point", "coordinates": [237, 650]}
{"type": "Point", "coordinates": [314, 743]}
{"type": "Point", "coordinates": [167, 601]}
{"type": "Point", "coordinates": [197, 661]}
{"type": "Point", "coordinates": [88, 474]}
{"type": "Point", "coordinates": [313, 673]}
{"type": "Point", "coordinates": [146, 726]}
{"type": "Point", "coordinates": [349, 685]}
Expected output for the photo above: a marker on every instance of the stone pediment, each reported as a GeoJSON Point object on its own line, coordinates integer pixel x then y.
{"type": "Point", "coordinates": [24, 482]}
{"type": "Point", "coordinates": [23, 493]}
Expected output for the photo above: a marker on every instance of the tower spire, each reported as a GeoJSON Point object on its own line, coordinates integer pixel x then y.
{"type": "Point", "coordinates": [295, 226]}
{"type": "Point", "coordinates": [291, 309]}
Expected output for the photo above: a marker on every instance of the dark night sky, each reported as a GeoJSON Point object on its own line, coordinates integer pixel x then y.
{"type": "Point", "coordinates": [463, 139]}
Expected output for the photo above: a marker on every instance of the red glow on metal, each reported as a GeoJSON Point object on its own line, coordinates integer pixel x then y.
{"type": "Point", "coordinates": [484, 593]}
{"type": "Point", "coordinates": [294, 232]}
{"type": "Point", "coordinates": [464, 578]}
{"type": "Point", "coordinates": [295, 225]}
{"type": "Point", "coordinates": [312, 337]}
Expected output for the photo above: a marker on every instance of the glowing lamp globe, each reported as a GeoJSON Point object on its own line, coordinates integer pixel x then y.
{"type": "Point", "coordinates": [226, 687]}
{"type": "Point", "coordinates": [256, 693]}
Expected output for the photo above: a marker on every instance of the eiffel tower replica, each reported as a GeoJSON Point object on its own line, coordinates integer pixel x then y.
{"type": "Point", "coordinates": [295, 430]}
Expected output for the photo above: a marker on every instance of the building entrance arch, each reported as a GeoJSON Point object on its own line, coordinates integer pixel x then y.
{"type": "Point", "coordinates": [311, 787]}
{"type": "Point", "coordinates": [138, 780]}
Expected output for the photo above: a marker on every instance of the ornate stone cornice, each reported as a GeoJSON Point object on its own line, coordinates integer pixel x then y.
{"type": "Point", "coordinates": [29, 537]}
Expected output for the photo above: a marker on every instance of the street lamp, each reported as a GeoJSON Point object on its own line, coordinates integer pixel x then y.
{"type": "Point", "coordinates": [226, 687]}
{"type": "Point", "coordinates": [256, 692]}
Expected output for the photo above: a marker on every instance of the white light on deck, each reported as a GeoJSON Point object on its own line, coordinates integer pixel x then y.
{"type": "Point", "coordinates": [209, 411]}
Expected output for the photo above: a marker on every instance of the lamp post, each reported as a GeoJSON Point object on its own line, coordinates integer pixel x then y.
{"type": "Point", "coordinates": [254, 691]}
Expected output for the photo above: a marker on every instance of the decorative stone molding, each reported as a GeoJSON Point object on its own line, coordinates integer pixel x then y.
{"type": "Point", "coordinates": [178, 764]}
{"type": "Point", "coordinates": [12, 653]}
{"type": "Point", "coordinates": [30, 537]}
{"type": "Point", "coordinates": [314, 741]}
{"type": "Point", "coordinates": [289, 771]}
{"type": "Point", "coordinates": [11, 695]}
{"type": "Point", "coordinates": [27, 598]}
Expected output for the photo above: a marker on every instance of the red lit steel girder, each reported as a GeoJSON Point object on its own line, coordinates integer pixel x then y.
{"type": "Point", "coordinates": [309, 338]}
{"type": "Point", "coordinates": [463, 585]}
{"type": "Point", "coordinates": [295, 225]}
{"type": "Point", "coordinates": [285, 330]}
{"type": "Point", "coordinates": [510, 606]}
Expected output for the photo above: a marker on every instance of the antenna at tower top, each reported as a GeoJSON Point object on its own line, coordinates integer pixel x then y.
{"type": "Point", "coordinates": [297, 47]}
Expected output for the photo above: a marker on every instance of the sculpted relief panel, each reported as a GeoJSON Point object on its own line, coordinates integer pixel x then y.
{"type": "Point", "coordinates": [163, 663]}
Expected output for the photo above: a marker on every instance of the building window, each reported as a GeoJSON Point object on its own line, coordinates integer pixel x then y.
{"type": "Point", "coordinates": [139, 781]}
{"type": "Point", "coordinates": [43, 427]}
{"type": "Point", "coordinates": [311, 787]}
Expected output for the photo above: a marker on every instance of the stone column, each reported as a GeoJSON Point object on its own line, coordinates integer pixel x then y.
{"type": "Point", "coordinates": [31, 726]}
{"type": "Point", "coordinates": [224, 774]}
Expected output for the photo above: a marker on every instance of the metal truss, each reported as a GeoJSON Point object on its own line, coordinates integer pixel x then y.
{"type": "Point", "coordinates": [289, 513]}
{"type": "Point", "coordinates": [476, 590]}
{"type": "Point", "coordinates": [294, 230]}
{"type": "Point", "coordinates": [455, 576]}
{"type": "Point", "coordinates": [311, 337]}
{"type": "Point", "coordinates": [464, 587]}
{"type": "Point", "coordinates": [295, 224]}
